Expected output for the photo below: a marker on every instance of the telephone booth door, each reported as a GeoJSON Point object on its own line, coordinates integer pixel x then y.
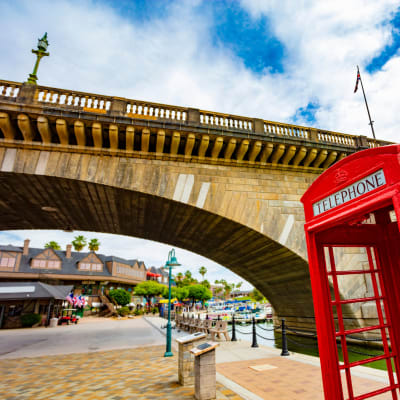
{"type": "Point", "coordinates": [354, 257]}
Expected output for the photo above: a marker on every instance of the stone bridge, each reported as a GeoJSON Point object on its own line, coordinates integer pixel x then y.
{"type": "Point", "coordinates": [223, 186]}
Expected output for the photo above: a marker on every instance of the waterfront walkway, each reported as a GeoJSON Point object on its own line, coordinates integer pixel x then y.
{"type": "Point", "coordinates": [261, 373]}
{"type": "Point", "coordinates": [143, 373]}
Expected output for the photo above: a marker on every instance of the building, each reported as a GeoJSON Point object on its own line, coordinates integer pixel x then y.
{"type": "Point", "coordinates": [91, 274]}
{"type": "Point", "coordinates": [21, 298]}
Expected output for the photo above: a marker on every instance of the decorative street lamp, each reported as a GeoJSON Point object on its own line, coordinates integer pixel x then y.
{"type": "Point", "coordinates": [40, 53]}
{"type": "Point", "coordinates": [171, 263]}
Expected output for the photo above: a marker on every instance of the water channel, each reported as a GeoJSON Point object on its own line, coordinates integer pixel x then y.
{"type": "Point", "coordinates": [267, 336]}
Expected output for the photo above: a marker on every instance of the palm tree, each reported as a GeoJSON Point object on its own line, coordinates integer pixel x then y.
{"type": "Point", "coordinates": [94, 244]}
{"type": "Point", "coordinates": [188, 275]}
{"type": "Point", "coordinates": [179, 276]}
{"type": "Point", "coordinates": [52, 245]}
{"type": "Point", "coordinates": [79, 242]}
{"type": "Point", "coordinates": [202, 272]}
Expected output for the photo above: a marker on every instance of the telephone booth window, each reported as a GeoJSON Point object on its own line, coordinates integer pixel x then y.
{"type": "Point", "coordinates": [352, 229]}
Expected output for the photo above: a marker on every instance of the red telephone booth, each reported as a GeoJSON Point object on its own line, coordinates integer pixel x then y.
{"type": "Point", "coordinates": [353, 237]}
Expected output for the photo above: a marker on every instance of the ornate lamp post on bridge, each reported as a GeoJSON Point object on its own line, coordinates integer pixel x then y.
{"type": "Point", "coordinates": [171, 263]}
{"type": "Point", "coordinates": [40, 53]}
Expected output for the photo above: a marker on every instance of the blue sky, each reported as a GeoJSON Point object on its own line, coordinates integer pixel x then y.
{"type": "Point", "coordinates": [262, 59]}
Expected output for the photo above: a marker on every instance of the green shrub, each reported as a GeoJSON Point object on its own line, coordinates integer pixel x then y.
{"type": "Point", "coordinates": [29, 320]}
{"type": "Point", "coordinates": [123, 311]}
{"type": "Point", "coordinates": [154, 310]}
{"type": "Point", "coordinates": [120, 296]}
{"type": "Point", "coordinates": [138, 312]}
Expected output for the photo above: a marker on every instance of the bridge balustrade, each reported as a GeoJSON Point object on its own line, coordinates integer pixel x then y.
{"type": "Point", "coordinates": [200, 132]}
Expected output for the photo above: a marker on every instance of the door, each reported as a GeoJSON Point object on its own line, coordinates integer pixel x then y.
{"type": "Point", "coordinates": [357, 276]}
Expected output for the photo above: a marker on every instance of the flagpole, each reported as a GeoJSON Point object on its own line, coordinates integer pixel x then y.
{"type": "Point", "coordinates": [366, 104]}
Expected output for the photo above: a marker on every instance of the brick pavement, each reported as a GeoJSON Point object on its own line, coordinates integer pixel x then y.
{"type": "Point", "coordinates": [139, 373]}
{"type": "Point", "coordinates": [286, 379]}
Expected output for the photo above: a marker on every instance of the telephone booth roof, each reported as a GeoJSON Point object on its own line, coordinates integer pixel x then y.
{"type": "Point", "coordinates": [356, 185]}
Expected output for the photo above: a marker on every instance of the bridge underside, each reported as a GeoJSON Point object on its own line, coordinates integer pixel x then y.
{"type": "Point", "coordinates": [276, 271]}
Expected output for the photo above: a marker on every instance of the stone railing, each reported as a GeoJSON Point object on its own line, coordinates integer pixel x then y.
{"type": "Point", "coordinates": [146, 110]}
{"type": "Point", "coordinates": [9, 89]}
{"type": "Point", "coordinates": [218, 120]}
{"type": "Point", "coordinates": [141, 110]}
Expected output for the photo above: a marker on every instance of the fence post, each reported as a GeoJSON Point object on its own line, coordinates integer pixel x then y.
{"type": "Point", "coordinates": [284, 340]}
{"type": "Point", "coordinates": [254, 344]}
{"type": "Point", "coordinates": [233, 339]}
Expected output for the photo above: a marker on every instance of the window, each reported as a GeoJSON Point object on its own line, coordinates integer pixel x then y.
{"type": "Point", "coordinates": [7, 262]}
{"type": "Point", "coordinates": [91, 267]}
{"type": "Point", "coordinates": [46, 264]}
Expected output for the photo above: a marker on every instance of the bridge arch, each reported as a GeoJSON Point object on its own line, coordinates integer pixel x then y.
{"type": "Point", "coordinates": [55, 190]}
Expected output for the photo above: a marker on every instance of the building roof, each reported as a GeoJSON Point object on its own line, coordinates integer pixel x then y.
{"type": "Point", "coordinates": [10, 247]}
{"type": "Point", "coordinates": [69, 266]}
{"type": "Point", "coordinates": [32, 290]}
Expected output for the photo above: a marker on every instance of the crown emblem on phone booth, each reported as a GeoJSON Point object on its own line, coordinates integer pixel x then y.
{"type": "Point", "coordinates": [340, 176]}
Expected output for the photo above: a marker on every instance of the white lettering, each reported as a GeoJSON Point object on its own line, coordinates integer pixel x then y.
{"type": "Point", "coordinates": [351, 192]}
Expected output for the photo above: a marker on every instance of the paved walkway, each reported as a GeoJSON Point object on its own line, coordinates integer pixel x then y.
{"type": "Point", "coordinates": [132, 370]}
{"type": "Point", "coordinates": [90, 334]}
{"type": "Point", "coordinates": [261, 373]}
{"type": "Point", "coordinates": [140, 373]}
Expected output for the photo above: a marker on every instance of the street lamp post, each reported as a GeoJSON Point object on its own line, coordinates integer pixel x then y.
{"type": "Point", "coordinates": [172, 262]}
{"type": "Point", "coordinates": [40, 53]}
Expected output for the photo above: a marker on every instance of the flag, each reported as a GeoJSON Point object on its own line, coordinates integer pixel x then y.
{"type": "Point", "coordinates": [358, 79]}
{"type": "Point", "coordinates": [69, 298]}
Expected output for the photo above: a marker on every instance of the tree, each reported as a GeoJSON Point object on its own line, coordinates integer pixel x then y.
{"type": "Point", "coordinates": [227, 287]}
{"type": "Point", "coordinates": [199, 292]}
{"type": "Point", "coordinates": [256, 295]}
{"type": "Point", "coordinates": [182, 293]}
{"type": "Point", "coordinates": [206, 284]}
{"type": "Point", "coordinates": [178, 277]}
{"type": "Point", "coordinates": [202, 271]}
{"type": "Point", "coordinates": [188, 274]}
{"type": "Point", "coordinates": [79, 242]}
{"type": "Point", "coordinates": [52, 245]}
{"type": "Point", "coordinates": [94, 245]}
{"type": "Point", "coordinates": [148, 290]}
{"type": "Point", "coordinates": [120, 296]}
{"type": "Point", "coordinates": [239, 285]}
